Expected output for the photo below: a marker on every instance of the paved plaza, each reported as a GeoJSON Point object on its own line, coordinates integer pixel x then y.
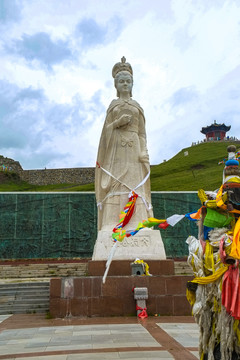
{"type": "Point", "coordinates": [33, 337]}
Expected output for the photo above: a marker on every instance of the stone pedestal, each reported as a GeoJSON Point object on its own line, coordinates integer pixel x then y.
{"type": "Point", "coordinates": [146, 245]}
{"type": "Point", "coordinates": [91, 298]}
{"type": "Point", "coordinates": [123, 267]}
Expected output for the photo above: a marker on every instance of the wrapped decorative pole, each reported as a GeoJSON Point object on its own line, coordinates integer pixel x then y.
{"type": "Point", "coordinates": [214, 293]}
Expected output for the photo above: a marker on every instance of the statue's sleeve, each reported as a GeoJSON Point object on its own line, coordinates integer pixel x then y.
{"type": "Point", "coordinates": [103, 158]}
{"type": "Point", "coordinates": [142, 133]}
{"type": "Point", "coordinates": [106, 135]}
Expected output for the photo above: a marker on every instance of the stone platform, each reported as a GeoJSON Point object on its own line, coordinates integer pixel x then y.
{"type": "Point", "coordinates": [88, 296]}
{"type": "Point", "coordinates": [123, 267]}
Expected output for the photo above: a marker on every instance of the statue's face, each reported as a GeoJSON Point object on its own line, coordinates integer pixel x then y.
{"type": "Point", "coordinates": [124, 84]}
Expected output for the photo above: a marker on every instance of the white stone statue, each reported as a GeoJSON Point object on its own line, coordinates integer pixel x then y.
{"type": "Point", "coordinates": [123, 165]}
{"type": "Point", "coordinates": [123, 152]}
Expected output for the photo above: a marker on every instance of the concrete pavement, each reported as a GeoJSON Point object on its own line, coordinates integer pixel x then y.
{"type": "Point", "coordinates": [33, 337]}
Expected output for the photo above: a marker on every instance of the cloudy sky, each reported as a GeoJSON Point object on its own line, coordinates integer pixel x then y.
{"type": "Point", "coordinates": [56, 58]}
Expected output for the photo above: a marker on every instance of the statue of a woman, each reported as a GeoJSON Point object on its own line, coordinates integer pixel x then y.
{"type": "Point", "coordinates": [123, 161]}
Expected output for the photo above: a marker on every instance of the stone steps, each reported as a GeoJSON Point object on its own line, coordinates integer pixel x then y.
{"type": "Point", "coordinates": [24, 271]}
{"type": "Point", "coordinates": [182, 268]}
{"type": "Point", "coordinates": [24, 287]}
{"type": "Point", "coordinates": [35, 270]}
{"type": "Point", "coordinates": [19, 298]}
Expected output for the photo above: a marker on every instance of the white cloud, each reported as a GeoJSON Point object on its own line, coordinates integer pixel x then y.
{"type": "Point", "coordinates": [56, 61]}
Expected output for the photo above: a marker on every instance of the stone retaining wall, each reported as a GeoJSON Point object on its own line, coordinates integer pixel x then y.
{"type": "Point", "coordinates": [79, 176]}
{"type": "Point", "coordinates": [90, 297]}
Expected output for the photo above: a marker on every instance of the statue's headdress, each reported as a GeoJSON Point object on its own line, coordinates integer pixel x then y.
{"type": "Point", "coordinates": [121, 66]}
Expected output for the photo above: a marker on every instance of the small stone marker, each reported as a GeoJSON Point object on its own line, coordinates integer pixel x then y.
{"type": "Point", "coordinates": [141, 295]}
{"type": "Point", "coordinates": [138, 269]}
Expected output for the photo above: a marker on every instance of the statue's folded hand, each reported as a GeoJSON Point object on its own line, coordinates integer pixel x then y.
{"type": "Point", "coordinates": [123, 120]}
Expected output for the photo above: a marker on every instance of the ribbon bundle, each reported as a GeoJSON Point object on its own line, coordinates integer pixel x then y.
{"type": "Point", "coordinates": [143, 314]}
{"type": "Point", "coordinates": [125, 216]}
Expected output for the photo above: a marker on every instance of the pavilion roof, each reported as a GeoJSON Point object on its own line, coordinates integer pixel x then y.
{"type": "Point", "coordinates": [215, 127]}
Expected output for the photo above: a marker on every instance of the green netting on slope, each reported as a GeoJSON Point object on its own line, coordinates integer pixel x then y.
{"type": "Point", "coordinates": [47, 225]}
{"type": "Point", "coordinates": [167, 204]}
{"type": "Point", "coordinates": [37, 225]}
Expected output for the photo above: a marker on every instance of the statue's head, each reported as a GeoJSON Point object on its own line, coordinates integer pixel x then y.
{"type": "Point", "coordinates": [122, 70]}
{"type": "Point", "coordinates": [123, 76]}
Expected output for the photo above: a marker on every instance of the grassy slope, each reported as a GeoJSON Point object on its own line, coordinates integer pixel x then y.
{"type": "Point", "coordinates": [24, 186]}
{"type": "Point", "coordinates": [199, 169]}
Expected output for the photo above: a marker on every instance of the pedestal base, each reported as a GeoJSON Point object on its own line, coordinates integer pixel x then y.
{"type": "Point", "coordinates": [91, 298]}
{"type": "Point", "coordinates": [123, 267]}
{"type": "Point", "coordinates": [145, 245]}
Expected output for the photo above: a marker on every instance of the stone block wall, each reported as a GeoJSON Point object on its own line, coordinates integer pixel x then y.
{"type": "Point", "coordinates": [90, 297]}
{"type": "Point", "coordinates": [79, 176]}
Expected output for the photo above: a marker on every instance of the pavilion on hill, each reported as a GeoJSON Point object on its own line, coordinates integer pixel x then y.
{"type": "Point", "coordinates": [215, 131]}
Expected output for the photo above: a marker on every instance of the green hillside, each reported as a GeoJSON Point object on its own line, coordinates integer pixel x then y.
{"type": "Point", "coordinates": [199, 169]}
{"type": "Point", "coordinates": [10, 181]}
